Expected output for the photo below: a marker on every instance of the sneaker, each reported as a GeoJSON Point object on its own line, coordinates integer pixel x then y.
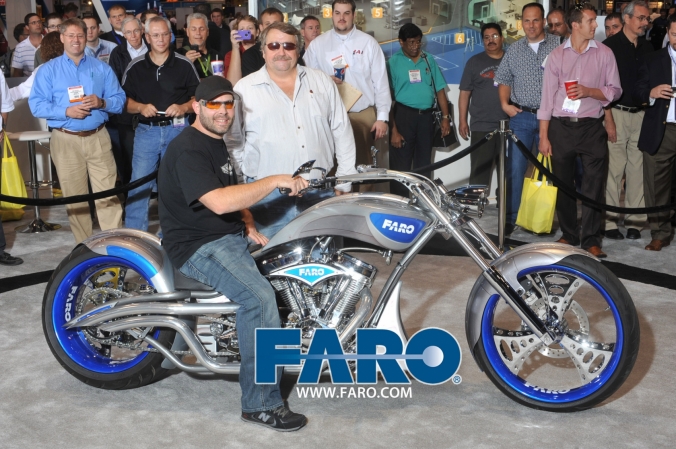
{"type": "Point", "coordinates": [7, 259]}
{"type": "Point", "coordinates": [280, 418]}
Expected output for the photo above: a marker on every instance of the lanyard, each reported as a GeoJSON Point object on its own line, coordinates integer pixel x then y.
{"type": "Point", "coordinates": [117, 38]}
{"type": "Point", "coordinates": [207, 67]}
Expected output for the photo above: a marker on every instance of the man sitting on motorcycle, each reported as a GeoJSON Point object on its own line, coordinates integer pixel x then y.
{"type": "Point", "coordinates": [204, 219]}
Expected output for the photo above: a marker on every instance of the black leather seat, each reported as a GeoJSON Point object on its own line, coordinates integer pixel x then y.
{"type": "Point", "coordinates": [182, 282]}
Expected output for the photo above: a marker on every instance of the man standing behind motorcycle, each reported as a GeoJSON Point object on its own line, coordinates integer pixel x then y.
{"type": "Point", "coordinates": [204, 220]}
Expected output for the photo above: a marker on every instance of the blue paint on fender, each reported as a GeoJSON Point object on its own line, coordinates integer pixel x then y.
{"type": "Point", "coordinates": [397, 228]}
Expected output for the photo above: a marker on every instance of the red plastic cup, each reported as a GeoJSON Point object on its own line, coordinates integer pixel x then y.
{"type": "Point", "coordinates": [568, 85]}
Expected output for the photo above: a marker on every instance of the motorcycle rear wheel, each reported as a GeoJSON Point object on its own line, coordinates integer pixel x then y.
{"type": "Point", "coordinates": [595, 356]}
{"type": "Point", "coordinates": [85, 280]}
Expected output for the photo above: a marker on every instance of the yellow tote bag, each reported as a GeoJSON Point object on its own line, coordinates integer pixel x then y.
{"type": "Point", "coordinates": [538, 202]}
{"type": "Point", "coordinates": [12, 184]}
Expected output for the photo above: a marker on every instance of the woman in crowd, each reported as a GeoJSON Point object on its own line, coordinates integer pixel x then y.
{"type": "Point", "coordinates": [50, 48]}
{"type": "Point", "coordinates": [233, 60]}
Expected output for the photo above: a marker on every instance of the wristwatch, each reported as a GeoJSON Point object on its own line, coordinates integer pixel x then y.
{"type": "Point", "coordinates": [446, 116]}
{"type": "Point", "coordinates": [103, 104]}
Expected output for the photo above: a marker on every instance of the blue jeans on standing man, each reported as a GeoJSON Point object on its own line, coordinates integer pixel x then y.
{"type": "Point", "coordinates": [526, 127]}
{"type": "Point", "coordinates": [226, 265]}
{"type": "Point", "coordinates": [150, 143]}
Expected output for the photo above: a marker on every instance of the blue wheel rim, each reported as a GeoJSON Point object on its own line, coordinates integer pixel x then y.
{"type": "Point", "coordinates": [73, 341]}
{"type": "Point", "coordinates": [520, 385]}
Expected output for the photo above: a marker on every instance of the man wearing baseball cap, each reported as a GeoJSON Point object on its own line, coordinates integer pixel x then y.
{"type": "Point", "coordinates": [204, 219]}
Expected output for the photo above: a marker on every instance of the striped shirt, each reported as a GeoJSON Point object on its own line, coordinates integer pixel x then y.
{"type": "Point", "coordinates": [24, 57]}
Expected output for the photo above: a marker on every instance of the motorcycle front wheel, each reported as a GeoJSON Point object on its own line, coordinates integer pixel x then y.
{"type": "Point", "coordinates": [113, 361]}
{"type": "Point", "coordinates": [594, 357]}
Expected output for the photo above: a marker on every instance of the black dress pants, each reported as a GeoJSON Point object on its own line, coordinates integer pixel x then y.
{"type": "Point", "coordinates": [417, 130]}
{"type": "Point", "coordinates": [588, 140]}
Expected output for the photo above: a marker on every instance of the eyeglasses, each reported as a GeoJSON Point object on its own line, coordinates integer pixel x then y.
{"type": "Point", "coordinates": [160, 35]}
{"type": "Point", "coordinates": [74, 36]}
{"type": "Point", "coordinates": [52, 27]}
{"type": "Point", "coordinates": [492, 37]}
{"type": "Point", "coordinates": [217, 104]}
{"type": "Point", "coordinates": [130, 32]}
{"type": "Point", "coordinates": [642, 18]}
{"type": "Point", "coordinates": [288, 46]}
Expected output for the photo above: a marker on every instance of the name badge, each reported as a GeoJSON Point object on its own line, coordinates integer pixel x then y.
{"type": "Point", "coordinates": [414, 76]}
{"type": "Point", "coordinates": [179, 122]}
{"type": "Point", "coordinates": [571, 106]}
{"type": "Point", "coordinates": [338, 61]}
{"type": "Point", "coordinates": [75, 94]}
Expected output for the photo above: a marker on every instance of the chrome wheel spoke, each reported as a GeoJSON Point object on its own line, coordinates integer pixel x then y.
{"type": "Point", "coordinates": [515, 346]}
{"type": "Point", "coordinates": [590, 358]}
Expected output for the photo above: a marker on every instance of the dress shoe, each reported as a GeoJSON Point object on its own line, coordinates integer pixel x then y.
{"type": "Point", "coordinates": [633, 234]}
{"type": "Point", "coordinates": [509, 228]}
{"type": "Point", "coordinates": [656, 245]}
{"type": "Point", "coordinates": [597, 252]}
{"type": "Point", "coordinates": [7, 259]}
{"type": "Point", "coordinates": [615, 234]}
{"type": "Point", "coordinates": [562, 240]}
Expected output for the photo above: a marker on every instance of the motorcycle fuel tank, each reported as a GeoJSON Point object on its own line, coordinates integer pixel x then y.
{"type": "Point", "coordinates": [381, 219]}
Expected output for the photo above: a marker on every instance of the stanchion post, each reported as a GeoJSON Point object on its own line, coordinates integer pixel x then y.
{"type": "Point", "coordinates": [502, 187]}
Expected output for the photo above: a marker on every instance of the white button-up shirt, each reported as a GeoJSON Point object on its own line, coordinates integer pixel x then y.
{"type": "Point", "coordinates": [366, 69]}
{"type": "Point", "coordinates": [134, 53]}
{"type": "Point", "coordinates": [280, 134]}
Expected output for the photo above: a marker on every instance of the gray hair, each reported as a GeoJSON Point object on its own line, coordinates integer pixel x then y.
{"type": "Point", "coordinates": [196, 16]}
{"type": "Point", "coordinates": [157, 19]}
{"type": "Point", "coordinates": [132, 19]}
{"type": "Point", "coordinates": [629, 9]}
{"type": "Point", "coordinates": [285, 28]}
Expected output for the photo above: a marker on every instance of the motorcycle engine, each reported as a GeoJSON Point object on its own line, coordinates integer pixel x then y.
{"type": "Point", "coordinates": [320, 287]}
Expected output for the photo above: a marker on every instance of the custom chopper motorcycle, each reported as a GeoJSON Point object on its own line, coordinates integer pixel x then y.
{"type": "Point", "coordinates": [550, 326]}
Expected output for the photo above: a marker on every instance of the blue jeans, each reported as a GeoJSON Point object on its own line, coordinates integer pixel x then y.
{"type": "Point", "coordinates": [227, 266]}
{"type": "Point", "coordinates": [150, 143]}
{"type": "Point", "coordinates": [526, 127]}
{"type": "Point", "coordinates": [276, 210]}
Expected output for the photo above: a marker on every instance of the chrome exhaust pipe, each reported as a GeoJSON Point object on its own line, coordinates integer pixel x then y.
{"type": "Point", "coordinates": [190, 338]}
{"type": "Point", "coordinates": [363, 310]}
{"type": "Point", "coordinates": [107, 312]}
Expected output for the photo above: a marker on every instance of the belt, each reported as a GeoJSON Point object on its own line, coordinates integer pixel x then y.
{"type": "Point", "coordinates": [160, 123]}
{"type": "Point", "coordinates": [577, 119]}
{"type": "Point", "coordinates": [627, 108]}
{"type": "Point", "coordinates": [81, 133]}
{"type": "Point", "coordinates": [419, 111]}
{"type": "Point", "coordinates": [526, 108]}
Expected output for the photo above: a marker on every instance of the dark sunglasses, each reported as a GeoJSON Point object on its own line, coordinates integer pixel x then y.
{"type": "Point", "coordinates": [289, 46]}
{"type": "Point", "coordinates": [217, 104]}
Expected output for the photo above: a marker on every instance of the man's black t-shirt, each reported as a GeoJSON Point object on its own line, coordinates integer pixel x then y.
{"type": "Point", "coordinates": [629, 59]}
{"type": "Point", "coordinates": [193, 165]}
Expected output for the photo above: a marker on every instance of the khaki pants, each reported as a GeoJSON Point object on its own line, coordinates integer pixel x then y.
{"type": "Point", "coordinates": [362, 122]}
{"type": "Point", "coordinates": [77, 158]}
{"type": "Point", "coordinates": [624, 157]}
{"type": "Point", "coordinates": [658, 170]}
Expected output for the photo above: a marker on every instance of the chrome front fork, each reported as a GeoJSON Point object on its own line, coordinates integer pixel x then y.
{"type": "Point", "coordinates": [497, 281]}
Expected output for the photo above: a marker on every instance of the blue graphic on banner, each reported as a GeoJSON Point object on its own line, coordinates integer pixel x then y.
{"type": "Point", "coordinates": [397, 228]}
{"type": "Point", "coordinates": [432, 356]}
{"type": "Point", "coordinates": [310, 274]}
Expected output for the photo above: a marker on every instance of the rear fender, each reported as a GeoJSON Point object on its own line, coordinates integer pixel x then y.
{"type": "Point", "coordinates": [510, 264]}
{"type": "Point", "coordinates": [141, 248]}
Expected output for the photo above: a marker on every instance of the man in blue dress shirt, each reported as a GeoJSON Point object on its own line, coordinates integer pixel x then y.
{"type": "Point", "coordinates": [75, 93]}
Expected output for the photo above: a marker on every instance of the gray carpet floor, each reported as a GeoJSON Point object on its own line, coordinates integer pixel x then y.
{"type": "Point", "coordinates": [42, 406]}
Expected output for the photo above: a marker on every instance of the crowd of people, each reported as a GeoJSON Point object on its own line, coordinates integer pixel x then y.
{"type": "Point", "coordinates": [128, 102]}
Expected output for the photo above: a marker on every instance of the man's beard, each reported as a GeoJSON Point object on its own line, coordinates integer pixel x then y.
{"type": "Point", "coordinates": [208, 124]}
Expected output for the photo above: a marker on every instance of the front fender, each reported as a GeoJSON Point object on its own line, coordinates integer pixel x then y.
{"type": "Point", "coordinates": [143, 249]}
{"type": "Point", "coordinates": [510, 264]}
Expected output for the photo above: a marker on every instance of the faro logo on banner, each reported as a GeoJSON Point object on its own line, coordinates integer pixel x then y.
{"type": "Point", "coordinates": [432, 356]}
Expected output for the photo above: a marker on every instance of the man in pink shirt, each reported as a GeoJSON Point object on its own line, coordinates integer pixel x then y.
{"type": "Point", "coordinates": [571, 122]}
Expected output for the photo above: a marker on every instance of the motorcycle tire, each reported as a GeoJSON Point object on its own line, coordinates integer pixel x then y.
{"type": "Point", "coordinates": [99, 365]}
{"type": "Point", "coordinates": [582, 371]}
